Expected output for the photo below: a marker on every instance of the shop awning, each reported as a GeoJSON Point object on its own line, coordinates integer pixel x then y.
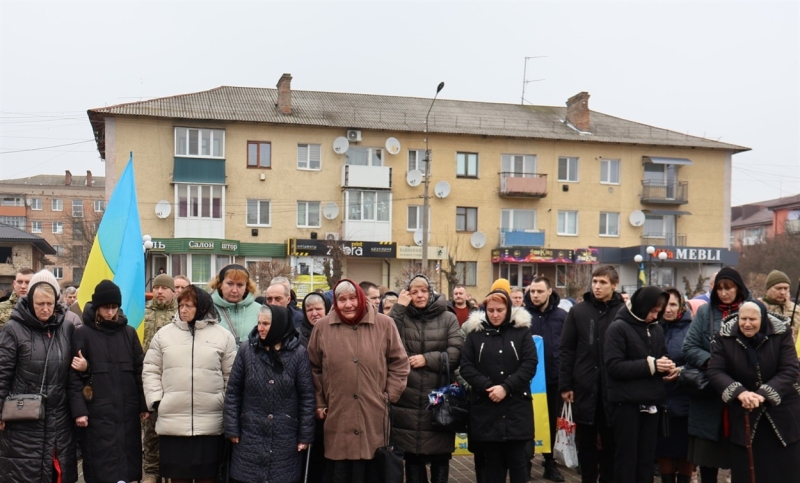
{"type": "Point", "coordinates": [667, 212]}
{"type": "Point", "coordinates": [657, 160]}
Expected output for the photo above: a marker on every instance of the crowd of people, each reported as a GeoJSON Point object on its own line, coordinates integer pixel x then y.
{"type": "Point", "coordinates": [225, 381]}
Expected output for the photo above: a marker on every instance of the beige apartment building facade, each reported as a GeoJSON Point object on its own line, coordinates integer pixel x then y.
{"type": "Point", "coordinates": [250, 174]}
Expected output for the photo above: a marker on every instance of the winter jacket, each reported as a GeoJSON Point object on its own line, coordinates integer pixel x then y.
{"type": "Point", "coordinates": [27, 447]}
{"type": "Point", "coordinates": [6, 307]}
{"type": "Point", "coordinates": [358, 370]}
{"type": "Point", "coordinates": [270, 412]}
{"type": "Point", "coordinates": [674, 334]}
{"type": "Point", "coordinates": [243, 315]}
{"type": "Point", "coordinates": [548, 323]}
{"type": "Point", "coordinates": [427, 332]}
{"type": "Point", "coordinates": [296, 315]}
{"type": "Point", "coordinates": [157, 316]}
{"type": "Point", "coordinates": [785, 310]}
{"type": "Point", "coordinates": [631, 349]}
{"type": "Point", "coordinates": [506, 356]}
{"type": "Point", "coordinates": [186, 371]}
{"type": "Point", "coordinates": [581, 353]}
{"type": "Point", "coordinates": [775, 378]}
{"type": "Point", "coordinates": [112, 443]}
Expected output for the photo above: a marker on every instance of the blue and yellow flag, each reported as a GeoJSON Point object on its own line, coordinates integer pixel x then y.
{"type": "Point", "coordinates": [117, 252]}
{"type": "Point", "coordinates": [642, 280]}
{"type": "Point", "coordinates": [541, 419]}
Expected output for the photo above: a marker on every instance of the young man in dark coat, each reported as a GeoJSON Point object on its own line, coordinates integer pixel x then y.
{"type": "Point", "coordinates": [580, 378]}
{"type": "Point", "coordinates": [547, 321]}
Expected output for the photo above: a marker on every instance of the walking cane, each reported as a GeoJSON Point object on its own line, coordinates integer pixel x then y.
{"type": "Point", "coordinates": [749, 447]}
{"type": "Point", "coordinates": [308, 459]}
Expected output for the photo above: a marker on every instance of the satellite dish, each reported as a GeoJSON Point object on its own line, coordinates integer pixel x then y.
{"type": "Point", "coordinates": [393, 146]}
{"type": "Point", "coordinates": [340, 145]}
{"type": "Point", "coordinates": [330, 211]}
{"type": "Point", "coordinates": [636, 218]}
{"type": "Point", "coordinates": [477, 240]}
{"type": "Point", "coordinates": [163, 209]}
{"type": "Point", "coordinates": [418, 237]}
{"type": "Point", "coordinates": [414, 177]}
{"type": "Point", "coordinates": [442, 189]}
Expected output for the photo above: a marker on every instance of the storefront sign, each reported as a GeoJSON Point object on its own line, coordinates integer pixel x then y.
{"type": "Point", "coordinates": [587, 255]}
{"type": "Point", "coordinates": [531, 255]}
{"type": "Point", "coordinates": [218, 246]}
{"type": "Point", "coordinates": [414, 252]}
{"type": "Point", "coordinates": [705, 255]}
{"type": "Point", "coordinates": [196, 245]}
{"type": "Point", "coordinates": [324, 248]}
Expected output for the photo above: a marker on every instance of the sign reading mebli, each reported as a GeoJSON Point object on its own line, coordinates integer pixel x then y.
{"type": "Point", "coordinates": [699, 254]}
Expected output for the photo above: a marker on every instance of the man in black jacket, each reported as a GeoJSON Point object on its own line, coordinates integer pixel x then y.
{"type": "Point", "coordinates": [581, 377]}
{"type": "Point", "coordinates": [547, 321]}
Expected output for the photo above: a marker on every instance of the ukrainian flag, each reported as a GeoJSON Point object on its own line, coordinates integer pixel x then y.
{"type": "Point", "coordinates": [541, 419]}
{"type": "Point", "coordinates": [117, 252]}
{"type": "Point", "coordinates": [642, 280]}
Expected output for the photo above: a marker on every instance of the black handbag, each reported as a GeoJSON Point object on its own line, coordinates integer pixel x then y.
{"type": "Point", "coordinates": [693, 380]}
{"type": "Point", "coordinates": [452, 413]}
{"type": "Point", "coordinates": [389, 458]}
{"type": "Point", "coordinates": [28, 407]}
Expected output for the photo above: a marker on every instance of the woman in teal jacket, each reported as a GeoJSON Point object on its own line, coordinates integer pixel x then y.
{"type": "Point", "coordinates": [234, 296]}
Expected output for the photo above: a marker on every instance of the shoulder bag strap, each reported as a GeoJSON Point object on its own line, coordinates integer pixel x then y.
{"type": "Point", "coordinates": [230, 324]}
{"type": "Point", "coordinates": [444, 369]}
{"type": "Point", "coordinates": [46, 361]}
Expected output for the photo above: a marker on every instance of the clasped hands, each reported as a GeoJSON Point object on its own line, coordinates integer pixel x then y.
{"type": "Point", "coordinates": [666, 365]}
{"type": "Point", "coordinates": [751, 400]}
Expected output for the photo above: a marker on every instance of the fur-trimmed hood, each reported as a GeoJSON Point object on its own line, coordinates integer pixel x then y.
{"type": "Point", "coordinates": [730, 324]}
{"type": "Point", "coordinates": [520, 318]}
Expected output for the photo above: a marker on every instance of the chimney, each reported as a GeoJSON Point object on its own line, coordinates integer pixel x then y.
{"type": "Point", "coordinates": [89, 180]}
{"type": "Point", "coordinates": [67, 178]}
{"type": "Point", "coordinates": [285, 94]}
{"type": "Point", "coordinates": [578, 111]}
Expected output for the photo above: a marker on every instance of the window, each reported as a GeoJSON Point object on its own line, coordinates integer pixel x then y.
{"type": "Point", "coordinates": [57, 205]}
{"type": "Point", "coordinates": [258, 213]}
{"type": "Point", "coordinates": [12, 201]}
{"type": "Point", "coordinates": [58, 272]}
{"type": "Point", "coordinates": [201, 268]}
{"type": "Point", "coordinates": [77, 208]}
{"type": "Point", "coordinates": [518, 220]}
{"type": "Point", "coordinates": [259, 154]}
{"type": "Point", "coordinates": [58, 227]}
{"type": "Point", "coordinates": [467, 273]}
{"type": "Point", "coordinates": [18, 222]}
{"type": "Point", "coordinates": [416, 160]}
{"type": "Point", "coordinates": [199, 201]}
{"type": "Point", "coordinates": [561, 276]}
{"type": "Point", "coordinates": [659, 225]}
{"type": "Point", "coordinates": [568, 169]}
{"type": "Point", "coordinates": [77, 231]}
{"type": "Point", "coordinates": [308, 214]}
{"type": "Point", "coordinates": [59, 250]}
{"type": "Point", "coordinates": [36, 204]}
{"type": "Point", "coordinates": [467, 165]}
{"type": "Point", "coordinates": [567, 222]}
{"type": "Point", "coordinates": [609, 171]}
{"type": "Point", "coordinates": [357, 156]}
{"type": "Point", "coordinates": [518, 165]}
{"type": "Point", "coordinates": [99, 206]}
{"type": "Point", "coordinates": [36, 227]}
{"type": "Point", "coordinates": [466, 219]}
{"type": "Point", "coordinates": [368, 205]}
{"type": "Point", "coordinates": [415, 218]}
{"type": "Point", "coordinates": [201, 143]}
{"type": "Point", "coordinates": [309, 156]}
{"type": "Point", "coordinates": [77, 275]}
{"type": "Point", "coordinates": [609, 224]}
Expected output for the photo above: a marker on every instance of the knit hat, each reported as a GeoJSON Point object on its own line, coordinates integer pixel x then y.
{"type": "Point", "coordinates": [164, 280]}
{"type": "Point", "coordinates": [44, 276]}
{"type": "Point", "coordinates": [774, 277]}
{"type": "Point", "coordinates": [106, 293]}
{"type": "Point", "coordinates": [501, 284]}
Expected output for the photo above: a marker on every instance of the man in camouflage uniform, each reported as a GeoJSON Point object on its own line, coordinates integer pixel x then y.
{"type": "Point", "coordinates": [778, 299]}
{"type": "Point", "coordinates": [20, 285]}
{"type": "Point", "coordinates": [158, 313]}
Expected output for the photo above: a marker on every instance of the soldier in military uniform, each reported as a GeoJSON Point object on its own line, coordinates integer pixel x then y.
{"type": "Point", "coordinates": [20, 285]}
{"type": "Point", "coordinates": [158, 313]}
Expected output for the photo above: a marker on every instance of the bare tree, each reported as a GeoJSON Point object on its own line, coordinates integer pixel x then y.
{"type": "Point", "coordinates": [450, 266]}
{"type": "Point", "coordinates": [410, 270]}
{"type": "Point", "coordinates": [579, 279]}
{"type": "Point", "coordinates": [777, 253]}
{"type": "Point", "coordinates": [264, 271]}
{"type": "Point", "coordinates": [699, 284]}
{"type": "Point", "coordinates": [333, 263]}
{"type": "Point", "coordinates": [78, 235]}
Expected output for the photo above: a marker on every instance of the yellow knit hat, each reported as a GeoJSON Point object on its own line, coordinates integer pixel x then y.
{"type": "Point", "coordinates": [502, 284]}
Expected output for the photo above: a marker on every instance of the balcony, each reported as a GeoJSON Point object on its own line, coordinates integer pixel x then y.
{"type": "Point", "coordinates": [521, 238]}
{"type": "Point", "coordinates": [669, 239]}
{"type": "Point", "coordinates": [792, 227]}
{"type": "Point", "coordinates": [524, 185]}
{"type": "Point", "coordinates": [675, 193]}
{"type": "Point", "coordinates": [373, 177]}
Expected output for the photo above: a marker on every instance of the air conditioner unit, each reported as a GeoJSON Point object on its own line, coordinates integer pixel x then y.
{"type": "Point", "coordinates": [331, 235]}
{"type": "Point", "coordinates": [354, 135]}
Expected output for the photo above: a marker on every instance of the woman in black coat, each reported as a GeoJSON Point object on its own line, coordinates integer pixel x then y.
{"type": "Point", "coordinates": [754, 366]}
{"type": "Point", "coordinates": [107, 397]}
{"type": "Point", "coordinates": [270, 402]}
{"type": "Point", "coordinates": [34, 451]}
{"type": "Point", "coordinates": [636, 366]}
{"type": "Point", "coordinates": [498, 361]}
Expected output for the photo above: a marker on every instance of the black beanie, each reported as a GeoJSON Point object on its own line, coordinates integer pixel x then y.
{"type": "Point", "coordinates": [106, 293]}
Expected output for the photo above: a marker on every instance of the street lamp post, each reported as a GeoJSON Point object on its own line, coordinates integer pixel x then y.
{"type": "Point", "coordinates": [650, 263]}
{"type": "Point", "coordinates": [425, 196]}
{"type": "Point", "coordinates": [147, 244]}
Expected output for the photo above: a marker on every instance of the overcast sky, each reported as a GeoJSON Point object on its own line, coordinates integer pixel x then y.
{"type": "Point", "coordinates": [723, 70]}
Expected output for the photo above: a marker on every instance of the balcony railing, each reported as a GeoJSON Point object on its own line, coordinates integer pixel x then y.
{"type": "Point", "coordinates": [676, 193]}
{"type": "Point", "coordinates": [526, 185]}
{"type": "Point", "coordinates": [521, 238]}
{"type": "Point", "coordinates": [670, 239]}
{"type": "Point", "coordinates": [792, 227]}
{"type": "Point", "coordinates": [355, 176]}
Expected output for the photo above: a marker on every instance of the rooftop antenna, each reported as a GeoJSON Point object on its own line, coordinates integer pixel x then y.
{"type": "Point", "coordinates": [525, 80]}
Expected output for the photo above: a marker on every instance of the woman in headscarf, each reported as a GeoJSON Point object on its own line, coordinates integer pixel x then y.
{"type": "Point", "coordinates": [754, 366]}
{"type": "Point", "coordinates": [387, 300]}
{"type": "Point", "coordinates": [233, 293]}
{"type": "Point", "coordinates": [636, 364]}
{"type": "Point", "coordinates": [315, 307]}
{"type": "Point", "coordinates": [359, 367]}
{"type": "Point", "coordinates": [185, 374]}
{"type": "Point", "coordinates": [269, 404]}
{"type": "Point", "coordinates": [429, 332]}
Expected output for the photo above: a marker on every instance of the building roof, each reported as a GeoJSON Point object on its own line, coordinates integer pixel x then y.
{"type": "Point", "coordinates": [56, 180]}
{"type": "Point", "coordinates": [760, 217]}
{"type": "Point", "coordinates": [786, 202]}
{"type": "Point", "coordinates": [9, 234]}
{"type": "Point", "coordinates": [394, 113]}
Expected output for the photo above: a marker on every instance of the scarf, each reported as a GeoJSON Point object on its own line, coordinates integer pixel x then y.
{"type": "Point", "coordinates": [728, 309]}
{"type": "Point", "coordinates": [362, 308]}
{"type": "Point", "coordinates": [280, 329]}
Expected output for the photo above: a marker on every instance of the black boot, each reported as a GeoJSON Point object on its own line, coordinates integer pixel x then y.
{"type": "Point", "coordinates": [684, 479]}
{"type": "Point", "coordinates": [667, 478]}
{"type": "Point", "coordinates": [551, 471]}
{"type": "Point", "coordinates": [708, 475]}
{"type": "Point", "coordinates": [440, 471]}
{"type": "Point", "coordinates": [416, 472]}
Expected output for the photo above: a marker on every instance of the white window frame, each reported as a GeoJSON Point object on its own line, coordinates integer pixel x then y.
{"type": "Point", "coordinates": [195, 191]}
{"type": "Point", "coordinates": [416, 160]}
{"type": "Point", "coordinates": [309, 157]}
{"type": "Point", "coordinates": [213, 137]}
{"type": "Point", "coordinates": [58, 227]}
{"type": "Point", "coordinates": [361, 196]}
{"type": "Point", "coordinates": [508, 162]}
{"type": "Point", "coordinates": [418, 209]}
{"type": "Point", "coordinates": [259, 208]}
{"type": "Point", "coordinates": [101, 204]}
{"type": "Point", "coordinates": [566, 214]}
{"type": "Point", "coordinates": [570, 174]}
{"type": "Point", "coordinates": [511, 213]}
{"type": "Point", "coordinates": [56, 204]}
{"type": "Point", "coordinates": [36, 227]}
{"type": "Point", "coordinates": [466, 173]}
{"type": "Point", "coordinates": [606, 171]}
{"type": "Point", "coordinates": [605, 225]}
{"type": "Point", "coordinates": [307, 205]}
{"type": "Point", "coordinates": [59, 250]}
{"type": "Point", "coordinates": [12, 201]}
{"type": "Point", "coordinates": [77, 208]}
{"type": "Point", "coordinates": [18, 222]}
{"type": "Point", "coordinates": [467, 273]}
{"type": "Point", "coordinates": [371, 155]}
{"type": "Point", "coordinates": [36, 204]}
{"type": "Point", "coordinates": [58, 272]}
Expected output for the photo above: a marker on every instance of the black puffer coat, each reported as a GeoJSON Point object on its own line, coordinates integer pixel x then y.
{"type": "Point", "coordinates": [548, 323]}
{"type": "Point", "coordinates": [112, 443]}
{"type": "Point", "coordinates": [27, 447]}
{"type": "Point", "coordinates": [427, 332]}
{"type": "Point", "coordinates": [270, 412]}
{"type": "Point", "coordinates": [506, 356]}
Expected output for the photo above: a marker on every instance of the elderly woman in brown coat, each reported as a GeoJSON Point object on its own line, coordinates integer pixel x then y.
{"type": "Point", "coordinates": [359, 367]}
{"type": "Point", "coordinates": [428, 331]}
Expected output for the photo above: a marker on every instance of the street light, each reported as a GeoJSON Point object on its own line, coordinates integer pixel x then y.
{"type": "Point", "coordinates": [147, 244]}
{"type": "Point", "coordinates": [425, 197]}
{"type": "Point", "coordinates": [650, 250]}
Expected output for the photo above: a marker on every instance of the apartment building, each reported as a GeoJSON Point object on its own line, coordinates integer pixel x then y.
{"type": "Point", "coordinates": [754, 223]}
{"type": "Point", "coordinates": [249, 174]}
